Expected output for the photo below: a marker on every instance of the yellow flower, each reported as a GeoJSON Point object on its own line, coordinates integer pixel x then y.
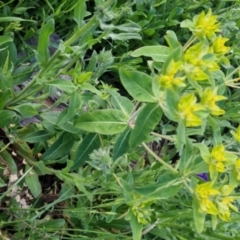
{"type": "Point", "coordinates": [218, 160]}
{"type": "Point", "coordinates": [237, 167]}
{"type": "Point", "coordinates": [224, 204]}
{"type": "Point", "coordinates": [188, 108]}
{"type": "Point", "coordinates": [168, 79]}
{"type": "Point", "coordinates": [142, 212]}
{"type": "Point", "coordinates": [218, 45]}
{"type": "Point", "coordinates": [205, 195]}
{"type": "Point", "coordinates": [196, 64]}
{"type": "Point", "coordinates": [196, 73]}
{"type": "Point", "coordinates": [236, 135]}
{"type": "Point", "coordinates": [206, 24]}
{"type": "Point", "coordinates": [209, 99]}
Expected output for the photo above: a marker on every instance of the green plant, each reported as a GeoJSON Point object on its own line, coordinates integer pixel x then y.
{"type": "Point", "coordinates": [122, 161]}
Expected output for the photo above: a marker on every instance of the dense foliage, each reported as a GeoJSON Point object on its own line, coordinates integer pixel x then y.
{"type": "Point", "coordinates": [119, 119]}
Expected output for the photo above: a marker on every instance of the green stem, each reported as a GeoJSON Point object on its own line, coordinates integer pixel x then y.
{"type": "Point", "coordinates": [188, 187]}
{"type": "Point", "coordinates": [189, 42]}
{"type": "Point", "coordinates": [52, 60]}
{"type": "Point", "coordinates": [164, 136]}
{"type": "Point", "coordinates": [159, 159]}
{"type": "Point", "coordinates": [81, 31]}
{"type": "Point", "coordinates": [234, 71]}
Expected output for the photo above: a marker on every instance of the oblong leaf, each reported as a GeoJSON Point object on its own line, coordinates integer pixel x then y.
{"type": "Point", "coordinates": [5, 39]}
{"type": "Point", "coordinates": [64, 85]}
{"type": "Point", "coordinates": [38, 136]}
{"type": "Point", "coordinates": [86, 147]}
{"type": "Point", "coordinates": [59, 148]}
{"type": "Point", "coordinates": [6, 117]}
{"type": "Point", "coordinates": [138, 85]}
{"type": "Point", "coordinates": [198, 216]}
{"type": "Point", "coordinates": [122, 144]}
{"type": "Point", "coordinates": [106, 121]}
{"type": "Point", "coordinates": [146, 121]}
{"type": "Point", "coordinates": [33, 183]}
{"type": "Point", "coordinates": [121, 103]}
{"type": "Point", "coordinates": [43, 42]}
{"type": "Point", "coordinates": [157, 53]}
{"type": "Point", "coordinates": [27, 109]}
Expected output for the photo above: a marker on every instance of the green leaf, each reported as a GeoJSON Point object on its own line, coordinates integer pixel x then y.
{"type": "Point", "coordinates": [146, 121]}
{"type": "Point", "coordinates": [167, 191]}
{"type": "Point", "coordinates": [6, 117]}
{"type": "Point", "coordinates": [106, 121]}
{"type": "Point", "coordinates": [79, 13]}
{"type": "Point", "coordinates": [70, 112]}
{"type": "Point", "coordinates": [5, 39]}
{"type": "Point", "coordinates": [4, 97]}
{"type": "Point", "coordinates": [172, 99]}
{"type": "Point", "coordinates": [38, 136]}
{"type": "Point", "coordinates": [8, 57]}
{"type": "Point", "coordinates": [14, 19]}
{"type": "Point", "coordinates": [187, 158]}
{"type": "Point", "coordinates": [2, 183]}
{"type": "Point", "coordinates": [43, 42]}
{"type": "Point", "coordinates": [181, 136]}
{"type": "Point", "coordinates": [124, 36]}
{"type": "Point", "coordinates": [215, 124]}
{"type": "Point", "coordinates": [52, 223]}
{"type": "Point", "coordinates": [138, 85]}
{"type": "Point", "coordinates": [136, 228]}
{"type": "Point", "coordinates": [172, 40]}
{"type": "Point", "coordinates": [199, 218]}
{"type": "Point", "coordinates": [157, 53]}
{"type": "Point", "coordinates": [52, 117]}
{"type": "Point", "coordinates": [64, 85]}
{"type": "Point", "coordinates": [121, 103]}
{"type": "Point", "coordinates": [176, 55]}
{"type": "Point", "coordinates": [122, 144]}
{"type": "Point", "coordinates": [59, 148]}
{"type": "Point", "coordinates": [33, 183]}
{"type": "Point", "coordinates": [27, 109]}
{"type": "Point", "coordinates": [9, 161]}
{"type": "Point", "coordinates": [204, 151]}
{"type": "Point", "coordinates": [21, 73]}
{"type": "Point", "coordinates": [90, 143]}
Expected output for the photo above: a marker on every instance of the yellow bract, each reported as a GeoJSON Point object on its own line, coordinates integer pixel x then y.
{"type": "Point", "coordinates": [188, 108]}
{"type": "Point", "coordinates": [218, 45]}
{"type": "Point", "coordinates": [237, 167]}
{"type": "Point", "coordinates": [209, 99]}
{"type": "Point", "coordinates": [205, 193]}
{"type": "Point", "coordinates": [142, 212]}
{"type": "Point", "coordinates": [206, 25]}
{"type": "Point", "coordinates": [236, 135]}
{"type": "Point", "coordinates": [196, 64]}
{"type": "Point", "coordinates": [169, 80]}
{"type": "Point", "coordinates": [217, 159]}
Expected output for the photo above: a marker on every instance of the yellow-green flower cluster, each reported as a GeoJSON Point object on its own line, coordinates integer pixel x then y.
{"type": "Point", "coordinates": [215, 201]}
{"type": "Point", "coordinates": [193, 69]}
{"type": "Point", "coordinates": [188, 110]}
{"type": "Point", "coordinates": [140, 208]}
{"type": "Point", "coordinates": [197, 64]}
{"type": "Point", "coordinates": [170, 79]}
{"type": "Point", "coordinates": [205, 24]}
{"type": "Point", "coordinates": [142, 212]}
{"type": "Point", "coordinates": [193, 112]}
{"type": "Point", "coordinates": [236, 135]}
{"type": "Point", "coordinates": [209, 99]}
{"type": "Point", "coordinates": [219, 160]}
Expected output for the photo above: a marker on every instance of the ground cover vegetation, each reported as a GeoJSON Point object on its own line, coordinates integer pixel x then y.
{"type": "Point", "coordinates": [119, 119]}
